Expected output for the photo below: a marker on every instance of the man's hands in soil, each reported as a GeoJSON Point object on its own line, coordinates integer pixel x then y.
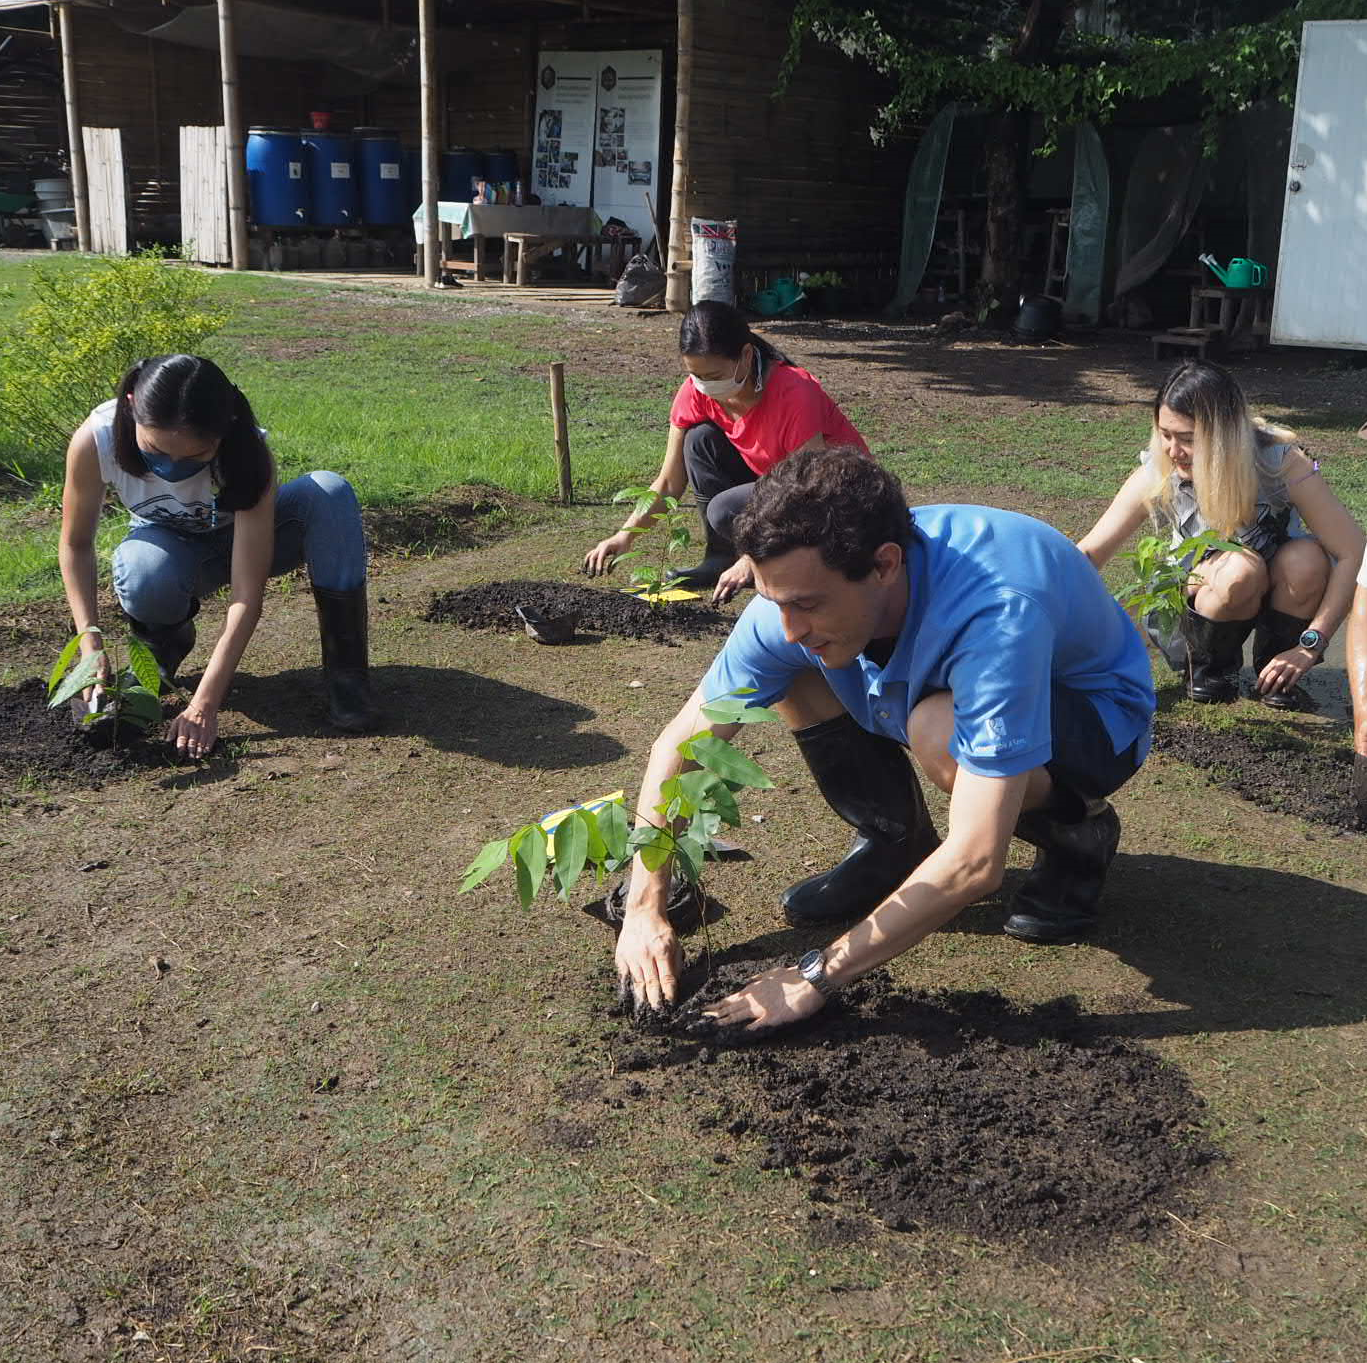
{"type": "Point", "coordinates": [648, 960]}
{"type": "Point", "coordinates": [774, 999]}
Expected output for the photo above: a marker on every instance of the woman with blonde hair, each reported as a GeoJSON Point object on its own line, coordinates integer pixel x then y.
{"type": "Point", "coordinates": [1210, 465]}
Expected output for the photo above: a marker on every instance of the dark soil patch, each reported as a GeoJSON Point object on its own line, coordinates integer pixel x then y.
{"type": "Point", "coordinates": [958, 1110]}
{"type": "Point", "coordinates": [43, 743]}
{"type": "Point", "coordinates": [600, 610]}
{"type": "Point", "coordinates": [1312, 780]}
{"type": "Point", "coordinates": [461, 517]}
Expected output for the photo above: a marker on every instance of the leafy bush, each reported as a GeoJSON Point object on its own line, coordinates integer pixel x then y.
{"type": "Point", "coordinates": [129, 693]}
{"type": "Point", "coordinates": [69, 348]}
{"type": "Point", "coordinates": [1163, 572]}
{"type": "Point", "coordinates": [672, 536]}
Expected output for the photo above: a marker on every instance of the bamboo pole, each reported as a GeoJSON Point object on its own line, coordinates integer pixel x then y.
{"type": "Point", "coordinates": [80, 195]}
{"type": "Point", "coordinates": [427, 59]}
{"type": "Point", "coordinates": [562, 432]}
{"type": "Point", "coordinates": [233, 150]}
{"type": "Point", "coordinates": [678, 277]}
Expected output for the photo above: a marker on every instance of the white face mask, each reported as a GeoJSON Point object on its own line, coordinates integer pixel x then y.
{"type": "Point", "coordinates": [719, 389]}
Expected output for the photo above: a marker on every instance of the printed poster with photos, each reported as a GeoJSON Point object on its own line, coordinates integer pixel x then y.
{"type": "Point", "coordinates": [562, 171]}
{"type": "Point", "coordinates": [626, 148]}
{"type": "Point", "coordinates": [597, 135]}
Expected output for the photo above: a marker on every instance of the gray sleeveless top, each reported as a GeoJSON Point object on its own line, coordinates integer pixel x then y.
{"type": "Point", "coordinates": [1275, 519]}
{"type": "Point", "coordinates": [189, 507]}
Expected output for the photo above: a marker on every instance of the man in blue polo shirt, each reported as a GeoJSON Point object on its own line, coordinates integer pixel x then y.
{"type": "Point", "coordinates": [982, 639]}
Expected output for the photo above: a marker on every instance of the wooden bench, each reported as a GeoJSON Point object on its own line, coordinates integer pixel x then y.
{"type": "Point", "coordinates": [520, 249]}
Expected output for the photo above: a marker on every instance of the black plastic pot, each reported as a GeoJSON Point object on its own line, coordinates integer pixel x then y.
{"type": "Point", "coordinates": [547, 629]}
{"type": "Point", "coordinates": [1039, 318]}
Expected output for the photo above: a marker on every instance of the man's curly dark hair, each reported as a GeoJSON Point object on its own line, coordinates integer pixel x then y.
{"type": "Point", "coordinates": [838, 501]}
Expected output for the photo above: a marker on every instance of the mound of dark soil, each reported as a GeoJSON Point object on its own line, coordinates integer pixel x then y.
{"type": "Point", "coordinates": [1314, 781]}
{"type": "Point", "coordinates": [43, 743]}
{"type": "Point", "coordinates": [956, 1110]}
{"type": "Point", "coordinates": [601, 610]}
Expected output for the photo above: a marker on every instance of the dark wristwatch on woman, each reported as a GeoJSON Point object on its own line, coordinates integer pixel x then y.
{"type": "Point", "coordinates": [1312, 641]}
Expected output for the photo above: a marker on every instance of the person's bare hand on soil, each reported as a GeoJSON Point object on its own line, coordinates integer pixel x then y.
{"type": "Point", "coordinates": [648, 960]}
{"type": "Point", "coordinates": [774, 999]}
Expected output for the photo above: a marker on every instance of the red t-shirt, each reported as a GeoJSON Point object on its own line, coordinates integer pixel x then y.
{"type": "Point", "coordinates": [792, 408]}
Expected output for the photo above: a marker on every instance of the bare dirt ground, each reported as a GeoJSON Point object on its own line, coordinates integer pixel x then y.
{"type": "Point", "coordinates": [272, 1089]}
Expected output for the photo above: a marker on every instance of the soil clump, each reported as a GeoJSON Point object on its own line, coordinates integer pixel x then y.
{"type": "Point", "coordinates": [948, 1109]}
{"type": "Point", "coordinates": [600, 610]}
{"type": "Point", "coordinates": [44, 743]}
{"type": "Point", "coordinates": [1312, 780]}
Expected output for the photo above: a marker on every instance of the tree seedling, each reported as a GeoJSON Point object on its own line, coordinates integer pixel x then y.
{"type": "Point", "coordinates": [673, 536]}
{"type": "Point", "coordinates": [129, 694]}
{"type": "Point", "coordinates": [693, 807]}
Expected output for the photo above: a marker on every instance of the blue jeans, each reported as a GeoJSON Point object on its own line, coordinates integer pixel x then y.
{"type": "Point", "coordinates": [157, 570]}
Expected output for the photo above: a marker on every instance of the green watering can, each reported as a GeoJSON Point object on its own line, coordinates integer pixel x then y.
{"type": "Point", "coordinates": [1241, 273]}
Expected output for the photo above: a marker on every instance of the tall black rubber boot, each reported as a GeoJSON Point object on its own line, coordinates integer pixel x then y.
{"type": "Point", "coordinates": [346, 662]}
{"type": "Point", "coordinates": [1216, 650]}
{"type": "Point", "coordinates": [719, 555]}
{"type": "Point", "coordinates": [1058, 900]}
{"type": "Point", "coordinates": [869, 781]}
{"type": "Point", "coordinates": [1275, 633]}
{"type": "Point", "coordinates": [170, 644]}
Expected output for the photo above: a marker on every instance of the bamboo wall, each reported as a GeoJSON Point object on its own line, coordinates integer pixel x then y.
{"type": "Point", "coordinates": [32, 119]}
{"type": "Point", "coordinates": [150, 89]}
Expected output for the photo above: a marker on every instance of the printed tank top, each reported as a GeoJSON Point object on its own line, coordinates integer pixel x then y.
{"type": "Point", "coordinates": [189, 507]}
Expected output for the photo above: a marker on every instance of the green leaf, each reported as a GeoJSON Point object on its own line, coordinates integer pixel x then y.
{"type": "Point", "coordinates": [144, 664]}
{"type": "Point", "coordinates": [733, 710]}
{"type": "Point", "coordinates": [612, 824]}
{"type": "Point", "coordinates": [729, 763]}
{"type": "Point", "coordinates": [84, 674]}
{"type": "Point", "coordinates": [489, 858]}
{"type": "Point", "coordinates": [654, 845]}
{"type": "Point", "coordinates": [571, 850]}
{"type": "Point", "coordinates": [529, 860]}
{"type": "Point", "coordinates": [139, 706]}
{"type": "Point", "coordinates": [633, 494]}
{"type": "Point", "coordinates": [598, 849]}
{"type": "Point", "coordinates": [690, 858]}
{"type": "Point", "coordinates": [72, 648]}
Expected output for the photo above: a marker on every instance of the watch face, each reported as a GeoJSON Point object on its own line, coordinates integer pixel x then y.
{"type": "Point", "coordinates": [1310, 639]}
{"type": "Point", "coordinates": [810, 961]}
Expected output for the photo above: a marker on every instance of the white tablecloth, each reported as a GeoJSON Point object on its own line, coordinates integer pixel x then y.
{"type": "Point", "coordinates": [493, 220]}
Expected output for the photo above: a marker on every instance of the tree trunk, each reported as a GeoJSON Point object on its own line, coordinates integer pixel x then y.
{"type": "Point", "coordinates": [1007, 147]}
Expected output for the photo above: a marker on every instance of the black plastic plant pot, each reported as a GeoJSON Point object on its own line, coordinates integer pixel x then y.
{"type": "Point", "coordinates": [547, 629]}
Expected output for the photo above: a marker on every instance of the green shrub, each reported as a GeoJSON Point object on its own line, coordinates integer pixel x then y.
{"type": "Point", "coordinates": [70, 347]}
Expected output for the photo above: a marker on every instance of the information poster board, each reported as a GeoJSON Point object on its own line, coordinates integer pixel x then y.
{"type": "Point", "coordinates": [562, 146]}
{"type": "Point", "coordinates": [597, 139]}
{"type": "Point", "coordinates": [626, 147]}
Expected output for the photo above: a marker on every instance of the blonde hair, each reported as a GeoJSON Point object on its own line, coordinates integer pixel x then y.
{"type": "Point", "coordinates": [1225, 447]}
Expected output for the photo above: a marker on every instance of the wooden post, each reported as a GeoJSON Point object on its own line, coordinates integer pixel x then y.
{"type": "Point", "coordinates": [427, 63]}
{"type": "Point", "coordinates": [233, 149]}
{"type": "Point", "coordinates": [79, 185]}
{"type": "Point", "coordinates": [678, 279]}
{"type": "Point", "coordinates": [562, 432]}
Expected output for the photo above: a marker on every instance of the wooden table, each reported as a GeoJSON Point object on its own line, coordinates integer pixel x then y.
{"type": "Point", "coordinates": [478, 222]}
{"type": "Point", "coordinates": [1221, 317]}
{"type": "Point", "coordinates": [520, 249]}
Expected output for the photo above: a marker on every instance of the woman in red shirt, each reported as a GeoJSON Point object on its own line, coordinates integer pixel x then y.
{"type": "Point", "coordinates": [743, 408]}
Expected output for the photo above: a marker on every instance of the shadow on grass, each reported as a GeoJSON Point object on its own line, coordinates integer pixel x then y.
{"type": "Point", "coordinates": [453, 710]}
{"type": "Point", "coordinates": [1229, 948]}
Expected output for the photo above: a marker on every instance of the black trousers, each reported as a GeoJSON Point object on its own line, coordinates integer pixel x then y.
{"type": "Point", "coordinates": [717, 472]}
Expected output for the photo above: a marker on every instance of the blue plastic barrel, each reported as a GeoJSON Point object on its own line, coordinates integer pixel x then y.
{"type": "Point", "coordinates": [278, 178]}
{"type": "Point", "coordinates": [379, 162]}
{"type": "Point", "coordinates": [336, 186]}
{"type": "Point", "coordinates": [459, 167]}
{"type": "Point", "coordinates": [501, 167]}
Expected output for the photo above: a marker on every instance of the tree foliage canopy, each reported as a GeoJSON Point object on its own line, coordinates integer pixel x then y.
{"type": "Point", "coordinates": [1044, 57]}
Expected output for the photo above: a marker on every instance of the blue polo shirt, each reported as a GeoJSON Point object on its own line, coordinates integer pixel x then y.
{"type": "Point", "coordinates": [1001, 609]}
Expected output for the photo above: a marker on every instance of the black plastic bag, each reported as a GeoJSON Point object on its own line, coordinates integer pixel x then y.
{"type": "Point", "coordinates": [642, 282]}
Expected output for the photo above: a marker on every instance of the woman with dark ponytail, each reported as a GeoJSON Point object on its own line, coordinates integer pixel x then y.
{"type": "Point", "coordinates": [744, 407]}
{"type": "Point", "coordinates": [180, 447]}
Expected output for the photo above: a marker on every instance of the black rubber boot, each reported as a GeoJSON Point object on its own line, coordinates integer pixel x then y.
{"type": "Point", "coordinates": [719, 555]}
{"type": "Point", "coordinates": [1058, 900]}
{"type": "Point", "coordinates": [346, 664]}
{"type": "Point", "coordinates": [1276, 632]}
{"type": "Point", "coordinates": [1216, 650]}
{"type": "Point", "coordinates": [869, 781]}
{"type": "Point", "coordinates": [170, 644]}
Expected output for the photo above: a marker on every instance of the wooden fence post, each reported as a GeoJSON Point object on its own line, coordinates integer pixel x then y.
{"type": "Point", "coordinates": [562, 432]}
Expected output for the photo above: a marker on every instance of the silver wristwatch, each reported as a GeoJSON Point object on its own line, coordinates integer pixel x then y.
{"type": "Point", "coordinates": [812, 968]}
